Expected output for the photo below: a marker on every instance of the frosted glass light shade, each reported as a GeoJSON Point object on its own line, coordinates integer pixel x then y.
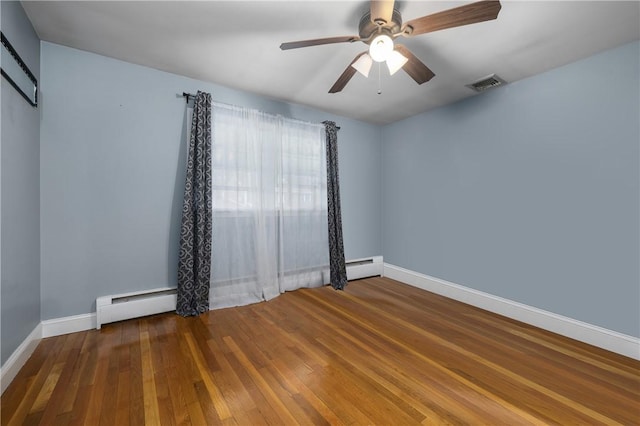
{"type": "Point", "coordinates": [381, 47]}
{"type": "Point", "coordinates": [363, 64]}
{"type": "Point", "coordinates": [395, 61]}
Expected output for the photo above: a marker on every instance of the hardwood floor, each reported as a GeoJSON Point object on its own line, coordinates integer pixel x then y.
{"type": "Point", "coordinates": [378, 353]}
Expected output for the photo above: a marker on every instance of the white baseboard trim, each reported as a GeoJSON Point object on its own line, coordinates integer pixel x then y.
{"type": "Point", "coordinates": [601, 337]}
{"type": "Point", "coordinates": [19, 357]}
{"type": "Point", "coordinates": [66, 325]}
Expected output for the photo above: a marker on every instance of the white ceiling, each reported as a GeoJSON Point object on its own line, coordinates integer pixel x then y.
{"type": "Point", "coordinates": [236, 44]}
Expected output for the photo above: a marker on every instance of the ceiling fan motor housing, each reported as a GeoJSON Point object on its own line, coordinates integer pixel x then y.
{"type": "Point", "coordinates": [367, 29]}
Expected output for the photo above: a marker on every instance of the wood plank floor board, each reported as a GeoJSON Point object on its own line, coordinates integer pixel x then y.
{"type": "Point", "coordinates": [435, 307]}
{"type": "Point", "coordinates": [527, 368]}
{"type": "Point", "coordinates": [539, 366]}
{"type": "Point", "coordinates": [21, 409]}
{"type": "Point", "coordinates": [558, 358]}
{"type": "Point", "coordinates": [469, 405]}
{"type": "Point", "coordinates": [474, 395]}
{"type": "Point", "coordinates": [136, 406]}
{"type": "Point", "coordinates": [263, 409]}
{"type": "Point", "coordinates": [238, 399]}
{"type": "Point", "coordinates": [173, 404]}
{"type": "Point", "coordinates": [55, 400]}
{"type": "Point", "coordinates": [363, 364]}
{"type": "Point", "coordinates": [434, 302]}
{"type": "Point", "coordinates": [371, 348]}
{"type": "Point", "coordinates": [404, 356]}
{"type": "Point", "coordinates": [380, 352]}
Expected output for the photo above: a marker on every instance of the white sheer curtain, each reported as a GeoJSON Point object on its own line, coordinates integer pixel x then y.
{"type": "Point", "coordinates": [269, 206]}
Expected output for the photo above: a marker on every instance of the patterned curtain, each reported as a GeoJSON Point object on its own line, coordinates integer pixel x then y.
{"type": "Point", "coordinates": [194, 266]}
{"type": "Point", "coordinates": [336, 246]}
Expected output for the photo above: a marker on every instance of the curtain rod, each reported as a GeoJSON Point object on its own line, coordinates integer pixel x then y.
{"type": "Point", "coordinates": [187, 96]}
{"type": "Point", "coordinates": [191, 95]}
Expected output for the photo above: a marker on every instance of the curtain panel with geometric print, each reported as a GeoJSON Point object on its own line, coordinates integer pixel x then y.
{"type": "Point", "coordinates": [194, 265]}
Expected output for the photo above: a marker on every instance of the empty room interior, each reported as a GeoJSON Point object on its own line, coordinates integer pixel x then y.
{"type": "Point", "coordinates": [320, 212]}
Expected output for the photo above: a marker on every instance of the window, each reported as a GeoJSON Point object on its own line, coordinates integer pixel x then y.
{"type": "Point", "coordinates": [269, 201]}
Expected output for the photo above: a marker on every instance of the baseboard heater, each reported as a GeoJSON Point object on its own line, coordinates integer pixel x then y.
{"type": "Point", "coordinates": [363, 268]}
{"type": "Point", "coordinates": [133, 305]}
{"type": "Point", "coordinates": [136, 304]}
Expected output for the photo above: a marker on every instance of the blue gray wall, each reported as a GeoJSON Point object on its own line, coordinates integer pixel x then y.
{"type": "Point", "coordinates": [20, 192]}
{"type": "Point", "coordinates": [112, 174]}
{"type": "Point", "coordinates": [529, 192]}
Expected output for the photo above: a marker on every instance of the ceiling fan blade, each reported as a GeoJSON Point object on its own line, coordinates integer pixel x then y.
{"type": "Point", "coordinates": [414, 67]}
{"type": "Point", "coordinates": [346, 76]}
{"type": "Point", "coordinates": [381, 11]}
{"type": "Point", "coordinates": [318, 42]}
{"type": "Point", "coordinates": [464, 15]}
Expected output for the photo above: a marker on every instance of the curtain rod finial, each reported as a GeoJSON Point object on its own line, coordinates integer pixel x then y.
{"type": "Point", "coordinates": [187, 96]}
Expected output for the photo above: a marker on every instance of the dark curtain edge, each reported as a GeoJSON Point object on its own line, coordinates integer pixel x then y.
{"type": "Point", "coordinates": [337, 266]}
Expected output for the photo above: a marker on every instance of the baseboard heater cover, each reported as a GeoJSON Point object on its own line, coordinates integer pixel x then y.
{"type": "Point", "coordinates": [120, 307]}
{"type": "Point", "coordinates": [136, 304]}
{"type": "Point", "coordinates": [364, 268]}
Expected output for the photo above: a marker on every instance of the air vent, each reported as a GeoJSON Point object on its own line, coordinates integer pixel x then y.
{"type": "Point", "coordinates": [486, 83]}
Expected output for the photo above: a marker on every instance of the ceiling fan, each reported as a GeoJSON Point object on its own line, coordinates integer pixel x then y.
{"type": "Point", "coordinates": [383, 24]}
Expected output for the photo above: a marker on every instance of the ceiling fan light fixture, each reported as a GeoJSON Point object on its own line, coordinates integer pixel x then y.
{"type": "Point", "coordinates": [382, 24]}
{"type": "Point", "coordinates": [395, 61]}
{"type": "Point", "coordinates": [381, 47]}
{"type": "Point", "coordinates": [363, 64]}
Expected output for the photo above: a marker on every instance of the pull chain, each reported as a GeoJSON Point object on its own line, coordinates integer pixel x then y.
{"type": "Point", "coordinates": [379, 78]}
